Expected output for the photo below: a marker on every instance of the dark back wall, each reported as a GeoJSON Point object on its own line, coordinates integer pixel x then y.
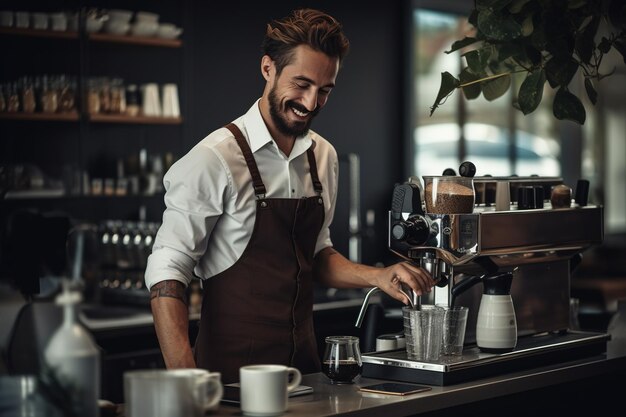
{"type": "Point", "coordinates": [363, 114]}
{"type": "Point", "coordinates": [218, 70]}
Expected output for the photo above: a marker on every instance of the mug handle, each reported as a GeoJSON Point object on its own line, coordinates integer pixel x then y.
{"type": "Point", "coordinates": [214, 382]}
{"type": "Point", "coordinates": [297, 378]}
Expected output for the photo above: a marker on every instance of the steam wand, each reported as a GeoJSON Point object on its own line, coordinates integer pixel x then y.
{"type": "Point", "coordinates": [366, 301]}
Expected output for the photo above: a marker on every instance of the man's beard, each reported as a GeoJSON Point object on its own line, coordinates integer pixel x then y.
{"type": "Point", "coordinates": [283, 125]}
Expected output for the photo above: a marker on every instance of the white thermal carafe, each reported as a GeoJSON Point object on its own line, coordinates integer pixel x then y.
{"type": "Point", "coordinates": [496, 325]}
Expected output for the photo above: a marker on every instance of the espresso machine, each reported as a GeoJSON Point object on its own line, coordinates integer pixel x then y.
{"type": "Point", "coordinates": [538, 243]}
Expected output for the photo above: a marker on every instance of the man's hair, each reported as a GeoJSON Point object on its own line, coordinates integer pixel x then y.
{"type": "Point", "coordinates": [310, 27]}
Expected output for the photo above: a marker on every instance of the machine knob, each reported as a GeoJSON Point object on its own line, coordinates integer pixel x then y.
{"type": "Point", "coordinates": [415, 230]}
{"type": "Point", "coordinates": [467, 169]}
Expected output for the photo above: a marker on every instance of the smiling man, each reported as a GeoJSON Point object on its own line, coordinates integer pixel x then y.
{"type": "Point", "coordinates": [248, 211]}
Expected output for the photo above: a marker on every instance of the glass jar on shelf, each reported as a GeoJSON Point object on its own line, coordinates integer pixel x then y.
{"type": "Point", "coordinates": [132, 100]}
{"type": "Point", "coordinates": [105, 95]}
{"type": "Point", "coordinates": [13, 98]}
{"type": "Point", "coordinates": [27, 90]}
{"type": "Point", "coordinates": [118, 96]}
{"type": "Point", "coordinates": [49, 95]}
{"type": "Point", "coordinates": [67, 94]}
{"type": "Point", "coordinates": [93, 96]}
{"type": "Point", "coordinates": [3, 103]}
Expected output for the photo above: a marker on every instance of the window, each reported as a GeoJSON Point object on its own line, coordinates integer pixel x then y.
{"type": "Point", "coordinates": [499, 139]}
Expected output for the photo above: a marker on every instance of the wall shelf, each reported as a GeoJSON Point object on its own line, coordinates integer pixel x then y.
{"type": "Point", "coordinates": [89, 145]}
{"type": "Point", "coordinates": [134, 40]}
{"type": "Point", "coordinates": [49, 117]}
{"type": "Point", "coordinates": [120, 118]}
{"type": "Point", "coordinates": [95, 37]}
{"type": "Point", "coordinates": [39, 33]}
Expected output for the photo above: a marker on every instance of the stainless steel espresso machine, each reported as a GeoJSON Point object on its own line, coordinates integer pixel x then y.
{"type": "Point", "coordinates": [539, 243]}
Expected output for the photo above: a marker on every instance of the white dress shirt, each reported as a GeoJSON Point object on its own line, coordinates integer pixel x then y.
{"type": "Point", "coordinates": [210, 202]}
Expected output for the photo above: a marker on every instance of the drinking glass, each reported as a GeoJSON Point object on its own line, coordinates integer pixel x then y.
{"type": "Point", "coordinates": [426, 328]}
{"type": "Point", "coordinates": [342, 359]}
{"type": "Point", "coordinates": [454, 323]}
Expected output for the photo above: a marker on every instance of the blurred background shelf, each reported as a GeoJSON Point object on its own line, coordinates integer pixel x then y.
{"type": "Point", "coordinates": [135, 40]}
{"type": "Point", "coordinates": [95, 37]}
{"type": "Point", "coordinates": [39, 33]}
{"type": "Point", "coordinates": [120, 118]}
{"type": "Point", "coordinates": [60, 117]}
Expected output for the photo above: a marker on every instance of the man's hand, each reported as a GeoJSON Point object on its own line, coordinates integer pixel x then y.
{"type": "Point", "coordinates": [334, 270]}
{"type": "Point", "coordinates": [392, 278]}
{"type": "Point", "coordinates": [171, 321]}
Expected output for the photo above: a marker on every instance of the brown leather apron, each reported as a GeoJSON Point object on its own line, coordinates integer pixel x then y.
{"type": "Point", "coordinates": [260, 310]}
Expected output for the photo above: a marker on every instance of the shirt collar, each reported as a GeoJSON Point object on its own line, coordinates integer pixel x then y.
{"type": "Point", "coordinates": [259, 136]}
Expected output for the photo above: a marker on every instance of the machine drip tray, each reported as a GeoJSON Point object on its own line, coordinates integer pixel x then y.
{"type": "Point", "coordinates": [530, 352]}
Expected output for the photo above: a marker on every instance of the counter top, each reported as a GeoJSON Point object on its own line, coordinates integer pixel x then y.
{"type": "Point", "coordinates": [333, 400]}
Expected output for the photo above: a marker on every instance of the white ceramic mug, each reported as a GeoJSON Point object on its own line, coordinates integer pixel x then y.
{"type": "Point", "coordinates": [22, 19]}
{"type": "Point", "coordinates": [151, 100]}
{"type": "Point", "coordinates": [6, 18]}
{"type": "Point", "coordinates": [58, 21]}
{"type": "Point", "coordinates": [264, 388]}
{"type": "Point", "coordinates": [169, 95]}
{"type": "Point", "coordinates": [39, 20]}
{"type": "Point", "coordinates": [171, 393]}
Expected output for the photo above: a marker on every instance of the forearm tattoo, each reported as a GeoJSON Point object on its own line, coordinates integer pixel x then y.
{"type": "Point", "coordinates": [169, 288]}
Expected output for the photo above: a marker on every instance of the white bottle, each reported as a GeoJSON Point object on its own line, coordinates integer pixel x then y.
{"type": "Point", "coordinates": [74, 357]}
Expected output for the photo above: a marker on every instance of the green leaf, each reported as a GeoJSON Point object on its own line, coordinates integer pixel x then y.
{"type": "Point", "coordinates": [567, 106]}
{"type": "Point", "coordinates": [507, 50]}
{"type": "Point", "coordinates": [591, 91]}
{"type": "Point", "coordinates": [585, 41]}
{"type": "Point", "coordinates": [531, 91]}
{"type": "Point", "coordinates": [560, 71]}
{"type": "Point", "coordinates": [448, 84]}
{"type": "Point", "coordinates": [605, 45]}
{"type": "Point", "coordinates": [473, 18]}
{"type": "Point", "coordinates": [559, 37]}
{"type": "Point", "coordinates": [538, 38]}
{"type": "Point", "coordinates": [527, 26]}
{"type": "Point", "coordinates": [620, 46]}
{"type": "Point", "coordinates": [492, 4]}
{"type": "Point", "coordinates": [575, 4]}
{"type": "Point", "coordinates": [517, 5]}
{"type": "Point", "coordinates": [474, 62]}
{"type": "Point", "coordinates": [461, 44]}
{"type": "Point", "coordinates": [533, 54]}
{"type": "Point", "coordinates": [497, 26]}
{"type": "Point", "coordinates": [617, 14]}
{"type": "Point", "coordinates": [471, 91]}
{"type": "Point", "coordinates": [496, 87]}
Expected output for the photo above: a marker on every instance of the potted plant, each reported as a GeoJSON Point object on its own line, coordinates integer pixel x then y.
{"type": "Point", "coordinates": [548, 40]}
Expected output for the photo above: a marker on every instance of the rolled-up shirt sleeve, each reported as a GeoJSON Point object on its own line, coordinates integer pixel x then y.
{"type": "Point", "coordinates": [195, 189]}
{"type": "Point", "coordinates": [331, 179]}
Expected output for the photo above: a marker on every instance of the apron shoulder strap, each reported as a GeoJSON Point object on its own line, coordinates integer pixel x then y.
{"type": "Point", "coordinates": [257, 182]}
{"type": "Point", "coordinates": [317, 185]}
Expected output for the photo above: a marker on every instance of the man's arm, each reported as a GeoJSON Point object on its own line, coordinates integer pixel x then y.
{"type": "Point", "coordinates": [333, 270]}
{"type": "Point", "coordinates": [171, 321]}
